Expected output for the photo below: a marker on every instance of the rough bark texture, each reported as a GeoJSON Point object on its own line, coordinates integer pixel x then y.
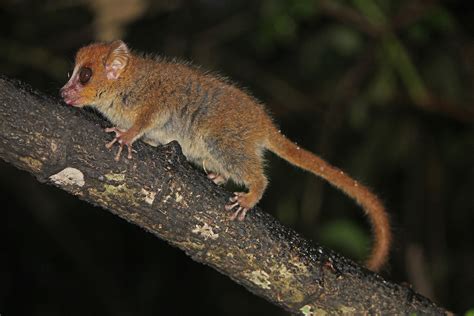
{"type": "Point", "coordinates": [159, 191]}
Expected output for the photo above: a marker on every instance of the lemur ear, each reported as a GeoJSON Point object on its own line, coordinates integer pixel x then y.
{"type": "Point", "coordinates": [117, 59]}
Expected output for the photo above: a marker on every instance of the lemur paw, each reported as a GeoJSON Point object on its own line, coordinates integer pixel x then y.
{"type": "Point", "coordinates": [123, 138]}
{"type": "Point", "coordinates": [238, 200]}
{"type": "Point", "coordinates": [216, 178]}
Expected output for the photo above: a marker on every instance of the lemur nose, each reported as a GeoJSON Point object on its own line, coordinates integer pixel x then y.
{"type": "Point", "coordinates": [64, 92]}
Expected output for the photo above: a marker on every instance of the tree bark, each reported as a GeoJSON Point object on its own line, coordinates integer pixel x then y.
{"type": "Point", "coordinates": [159, 191]}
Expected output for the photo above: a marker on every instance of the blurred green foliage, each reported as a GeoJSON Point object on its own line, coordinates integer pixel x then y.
{"type": "Point", "coordinates": [469, 312]}
{"type": "Point", "coordinates": [280, 20]}
{"type": "Point", "coordinates": [346, 237]}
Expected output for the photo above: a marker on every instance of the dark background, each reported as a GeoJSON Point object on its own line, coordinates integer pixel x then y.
{"type": "Point", "coordinates": [382, 89]}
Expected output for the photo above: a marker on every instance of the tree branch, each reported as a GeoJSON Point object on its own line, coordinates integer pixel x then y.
{"type": "Point", "coordinates": [160, 192]}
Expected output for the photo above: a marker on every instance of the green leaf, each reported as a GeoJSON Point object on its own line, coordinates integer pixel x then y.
{"type": "Point", "coordinates": [346, 236]}
{"type": "Point", "coordinates": [469, 312]}
{"type": "Point", "coordinates": [346, 41]}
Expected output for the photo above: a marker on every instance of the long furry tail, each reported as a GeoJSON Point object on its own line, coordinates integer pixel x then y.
{"type": "Point", "coordinates": [372, 206]}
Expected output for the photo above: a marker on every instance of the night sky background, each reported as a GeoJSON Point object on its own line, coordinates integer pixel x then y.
{"type": "Point", "coordinates": [383, 89]}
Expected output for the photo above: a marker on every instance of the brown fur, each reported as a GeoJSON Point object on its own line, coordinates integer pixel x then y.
{"type": "Point", "coordinates": [217, 125]}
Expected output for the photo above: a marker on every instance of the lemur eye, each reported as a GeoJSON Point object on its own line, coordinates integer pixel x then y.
{"type": "Point", "coordinates": [85, 75]}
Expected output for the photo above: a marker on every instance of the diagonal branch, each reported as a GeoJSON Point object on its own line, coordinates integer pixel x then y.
{"type": "Point", "coordinates": [160, 192]}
